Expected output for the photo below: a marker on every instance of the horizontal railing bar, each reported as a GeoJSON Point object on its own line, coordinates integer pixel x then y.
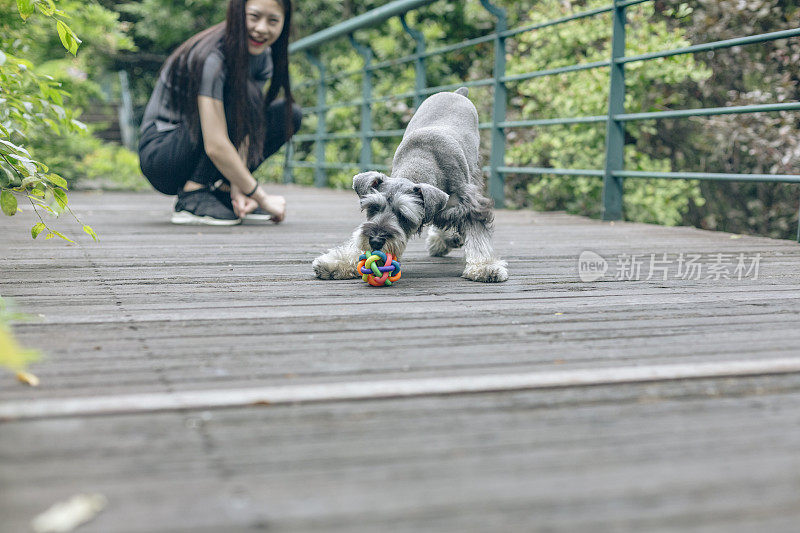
{"type": "Point", "coordinates": [774, 178]}
{"type": "Point", "coordinates": [386, 133]}
{"type": "Point", "coordinates": [629, 3]}
{"type": "Point", "coordinates": [401, 96]}
{"type": "Point", "coordinates": [320, 38]}
{"type": "Point", "coordinates": [395, 62]}
{"type": "Point", "coordinates": [335, 166]}
{"type": "Point", "coordinates": [552, 121]}
{"type": "Point", "coordinates": [437, 51]}
{"type": "Point", "coordinates": [329, 136]}
{"type": "Point", "coordinates": [536, 170]}
{"type": "Point", "coordinates": [452, 86]}
{"type": "Point", "coordinates": [553, 71]}
{"type": "Point", "coordinates": [346, 74]}
{"type": "Point", "coordinates": [349, 135]}
{"type": "Point", "coordinates": [709, 111]}
{"type": "Point", "coordinates": [431, 90]}
{"type": "Point", "coordinates": [311, 110]}
{"type": "Point", "coordinates": [569, 18]}
{"type": "Point", "coordinates": [366, 20]}
{"type": "Point", "coordinates": [713, 45]}
{"type": "Point", "coordinates": [482, 125]}
{"type": "Point", "coordinates": [459, 46]}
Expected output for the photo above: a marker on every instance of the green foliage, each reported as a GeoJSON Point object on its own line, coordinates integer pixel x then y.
{"type": "Point", "coordinates": [160, 25]}
{"type": "Point", "coordinates": [112, 167]}
{"type": "Point", "coordinates": [28, 101]}
{"type": "Point", "coordinates": [585, 93]}
{"type": "Point", "coordinates": [760, 143]}
{"type": "Point", "coordinates": [37, 110]}
{"type": "Point", "coordinates": [13, 356]}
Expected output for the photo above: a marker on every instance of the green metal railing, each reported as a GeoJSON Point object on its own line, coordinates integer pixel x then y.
{"type": "Point", "coordinates": [616, 118]}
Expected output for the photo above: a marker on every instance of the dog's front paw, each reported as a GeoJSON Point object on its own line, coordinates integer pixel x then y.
{"type": "Point", "coordinates": [328, 267]}
{"type": "Point", "coordinates": [493, 271]}
{"type": "Point", "coordinates": [437, 247]}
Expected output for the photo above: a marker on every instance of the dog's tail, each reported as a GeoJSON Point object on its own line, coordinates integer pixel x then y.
{"type": "Point", "coordinates": [463, 91]}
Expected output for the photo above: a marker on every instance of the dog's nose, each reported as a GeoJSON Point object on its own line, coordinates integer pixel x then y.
{"type": "Point", "coordinates": [376, 243]}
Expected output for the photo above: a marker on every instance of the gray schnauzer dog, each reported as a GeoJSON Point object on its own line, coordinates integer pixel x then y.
{"type": "Point", "coordinates": [437, 181]}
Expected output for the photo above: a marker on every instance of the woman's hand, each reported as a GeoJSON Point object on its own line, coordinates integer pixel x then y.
{"type": "Point", "coordinates": [241, 203]}
{"type": "Point", "coordinates": [272, 204]}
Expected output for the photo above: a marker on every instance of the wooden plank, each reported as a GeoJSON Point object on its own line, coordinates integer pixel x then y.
{"type": "Point", "coordinates": [164, 312]}
{"type": "Point", "coordinates": [369, 390]}
{"type": "Point", "coordinates": [710, 455]}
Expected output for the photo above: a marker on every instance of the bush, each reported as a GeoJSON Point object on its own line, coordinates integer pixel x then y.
{"type": "Point", "coordinates": [111, 167]}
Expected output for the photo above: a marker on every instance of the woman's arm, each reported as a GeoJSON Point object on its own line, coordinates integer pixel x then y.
{"type": "Point", "coordinates": [218, 145]}
{"type": "Point", "coordinates": [227, 159]}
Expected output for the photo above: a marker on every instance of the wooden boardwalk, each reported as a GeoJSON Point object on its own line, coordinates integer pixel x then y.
{"type": "Point", "coordinates": [202, 380]}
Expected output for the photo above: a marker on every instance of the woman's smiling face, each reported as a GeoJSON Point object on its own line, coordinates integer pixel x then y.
{"type": "Point", "coordinates": [264, 24]}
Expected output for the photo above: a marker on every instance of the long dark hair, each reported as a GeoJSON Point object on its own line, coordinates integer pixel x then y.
{"type": "Point", "coordinates": [245, 107]}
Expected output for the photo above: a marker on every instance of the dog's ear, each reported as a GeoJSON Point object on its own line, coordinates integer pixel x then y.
{"type": "Point", "coordinates": [433, 199]}
{"type": "Point", "coordinates": [366, 181]}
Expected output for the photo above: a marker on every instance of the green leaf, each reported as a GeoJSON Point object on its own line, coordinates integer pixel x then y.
{"type": "Point", "coordinates": [68, 37]}
{"type": "Point", "coordinates": [14, 148]}
{"type": "Point", "coordinates": [62, 236]}
{"type": "Point", "coordinates": [90, 232]}
{"type": "Point", "coordinates": [47, 7]}
{"type": "Point", "coordinates": [25, 8]}
{"type": "Point", "coordinates": [8, 202]}
{"type": "Point", "coordinates": [61, 197]}
{"type": "Point", "coordinates": [55, 179]}
{"type": "Point", "coordinates": [30, 182]}
{"type": "Point", "coordinates": [37, 229]}
{"type": "Point", "coordinates": [49, 236]}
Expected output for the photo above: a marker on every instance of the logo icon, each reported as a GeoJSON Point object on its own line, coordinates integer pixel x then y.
{"type": "Point", "coordinates": [591, 266]}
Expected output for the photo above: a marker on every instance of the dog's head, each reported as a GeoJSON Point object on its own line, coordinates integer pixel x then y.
{"type": "Point", "coordinates": [396, 209]}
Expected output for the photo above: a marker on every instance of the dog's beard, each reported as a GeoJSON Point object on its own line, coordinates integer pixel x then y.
{"type": "Point", "coordinates": [395, 245]}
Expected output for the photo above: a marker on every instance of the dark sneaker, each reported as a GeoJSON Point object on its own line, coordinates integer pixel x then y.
{"type": "Point", "coordinates": [259, 215]}
{"type": "Point", "coordinates": [203, 207]}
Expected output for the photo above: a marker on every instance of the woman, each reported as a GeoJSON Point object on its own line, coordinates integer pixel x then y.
{"type": "Point", "coordinates": [209, 125]}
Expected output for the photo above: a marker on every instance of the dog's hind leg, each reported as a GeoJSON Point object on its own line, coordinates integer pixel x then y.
{"type": "Point", "coordinates": [338, 263]}
{"type": "Point", "coordinates": [482, 265]}
{"type": "Point", "coordinates": [440, 242]}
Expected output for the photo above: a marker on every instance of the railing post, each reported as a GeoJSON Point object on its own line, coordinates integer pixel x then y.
{"type": "Point", "coordinates": [798, 225]}
{"type": "Point", "coordinates": [127, 130]}
{"type": "Point", "coordinates": [320, 176]}
{"type": "Point", "coordinates": [497, 158]}
{"type": "Point", "coordinates": [420, 76]}
{"type": "Point", "coordinates": [365, 159]}
{"type": "Point", "coordinates": [615, 133]}
{"type": "Point", "coordinates": [288, 176]}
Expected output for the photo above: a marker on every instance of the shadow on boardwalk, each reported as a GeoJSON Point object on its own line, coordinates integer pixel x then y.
{"type": "Point", "coordinates": [631, 413]}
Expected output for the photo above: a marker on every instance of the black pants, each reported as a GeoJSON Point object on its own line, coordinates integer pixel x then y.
{"type": "Point", "coordinates": [169, 159]}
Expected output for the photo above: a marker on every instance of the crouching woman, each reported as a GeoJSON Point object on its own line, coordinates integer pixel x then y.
{"type": "Point", "coordinates": [209, 123]}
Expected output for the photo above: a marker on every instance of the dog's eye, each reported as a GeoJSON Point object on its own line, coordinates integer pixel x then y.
{"type": "Point", "coordinates": [372, 210]}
